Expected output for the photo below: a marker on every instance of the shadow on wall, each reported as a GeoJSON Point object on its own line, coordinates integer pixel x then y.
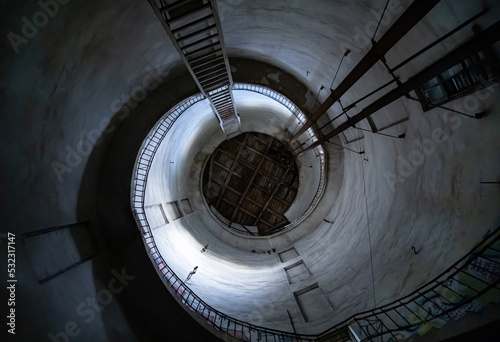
{"type": "Point", "coordinates": [150, 311]}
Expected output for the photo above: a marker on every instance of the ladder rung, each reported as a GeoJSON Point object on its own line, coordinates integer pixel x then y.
{"type": "Point", "coordinates": [214, 81]}
{"type": "Point", "coordinates": [211, 77]}
{"type": "Point", "coordinates": [191, 24]}
{"type": "Point", "coordinates": [211, 54]}
{"type": "Point", "coordinates": [212, 74]}
{"type": "Point", "coordinates": [226, 97]}
{"type": "Point", "coordinates": [220, 102]}
{"type": "Point", "coordinates": [203, 48]}
{"type": "Point", "coordinates": [232, 120]}
{"type": "Point", "coordinates": [215, 86]}
{"type": "Point", "coordinates": [205, 71]}
{"type": "Point", "coordinates": [224, 111]}
{"type": "Point", "coordinates": [174, 5]}
{"type": "Point", "coordinates": [209, 71]}
{"type": "Point", "coordinates": [220, 95]}
{"type": "Point", "coordinates": [226, 108]}
{"type": "Point", "coordinates": [194, 33]}
{"type": "Point", "coordinates": [190, 13]}
{"type": "Point", "coordinates": [220, 99]}
{"type": "Point", "coordinates": [215, 35]}
{"type": "Point", "coordinates": [217, 92]}
{"type": "Point", "coordinates": [226, 116]}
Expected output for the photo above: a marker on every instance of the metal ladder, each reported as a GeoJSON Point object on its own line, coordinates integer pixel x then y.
{"type": "Point", "coordinates": [195, 30]}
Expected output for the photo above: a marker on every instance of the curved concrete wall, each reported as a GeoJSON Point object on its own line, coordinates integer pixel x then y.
{"type": "Point", "coordinates": [87, 64]}
{"type": "Point", "coordinates": [237, 273]}
{"type": "Point", "coordinates": [360, 255]}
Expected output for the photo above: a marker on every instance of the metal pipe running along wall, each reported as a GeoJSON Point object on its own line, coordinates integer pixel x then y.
{"type": "Point", "coordinates": [413, 14]}
{"type": "Point", "coordinates": [476, 44]}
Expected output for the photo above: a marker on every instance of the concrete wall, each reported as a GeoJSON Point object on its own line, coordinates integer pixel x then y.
{"type": "Point", "coordinates": [63, 83]}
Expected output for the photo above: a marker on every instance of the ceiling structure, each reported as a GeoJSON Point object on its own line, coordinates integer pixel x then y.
{"type": "Point", "coordinates": [252, 180]}
{"type": "Point", "coordinates": [81, 89]}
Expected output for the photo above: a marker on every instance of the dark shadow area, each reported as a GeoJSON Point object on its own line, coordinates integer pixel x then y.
{"type": "Point", "coordinates": [150, 310]}
{"type": "Point", "coordinates": [486, 333]}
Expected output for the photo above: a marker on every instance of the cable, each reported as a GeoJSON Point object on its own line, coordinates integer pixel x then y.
{"type": "Point", "coordinates": [340, 64]}
{"type": "Point", "coordinates": [380, 20]}
{"type": "Point", "coordinates": [369, 235]}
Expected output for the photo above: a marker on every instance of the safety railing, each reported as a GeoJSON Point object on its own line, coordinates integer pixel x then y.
{"type": "Point", "coordinates": [468, 285]}
{"type": "Point", "coordinates": [221, 322]}
{"type": "Point", "coordinates": [318, 152]}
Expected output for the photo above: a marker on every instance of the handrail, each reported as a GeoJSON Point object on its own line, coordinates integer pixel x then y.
{"type": "Point", "coordinates": [461, 285]}
{"type": "Point", "coordinates": [445, 280]}
{"type": "Point", "coordinates": [220, 321]}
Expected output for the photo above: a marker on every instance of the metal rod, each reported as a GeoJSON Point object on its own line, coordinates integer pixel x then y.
{"type": "Point", "coordinates": [380, 20]}
{"type": "Point", "coordinates": [291, 321]}
{"type": "Point", "coordinates": [439, 40]}
{"type": "Point", "coordinates": [338, 68]}
{"type": "Point", "coordinates": [480, 41]}
{"type": "Point", "coordinates": [346, 148]}
{"type": "Point", "coordinates": [413, 14]}
{"type": "Point", "coordinates": [352, 105]}
{"type": "Point", "coordinates": [401, 136]}
{"type": "Point", "coordinates": [442, 107]}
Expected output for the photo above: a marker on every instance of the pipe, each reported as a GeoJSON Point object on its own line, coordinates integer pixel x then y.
{"type": "Point", "coordinates": [474, 45]}
{"type": "Point", "coordinates": [413, 14]}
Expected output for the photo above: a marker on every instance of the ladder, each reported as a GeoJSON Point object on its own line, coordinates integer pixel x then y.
{"type": "Point", "coordinates": [195, 30]}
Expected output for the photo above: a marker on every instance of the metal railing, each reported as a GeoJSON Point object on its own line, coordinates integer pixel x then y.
{"type": "Point", "coordinates": [318, 152]}
{"type": "Point", "coordinates": [467, 285]}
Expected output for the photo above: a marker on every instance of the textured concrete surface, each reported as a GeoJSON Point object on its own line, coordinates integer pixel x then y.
{"type": "Point", "coordinates": [82, 69]}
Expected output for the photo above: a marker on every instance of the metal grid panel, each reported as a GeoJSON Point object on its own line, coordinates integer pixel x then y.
{"type": "Point", "coordinates": [252, 180]}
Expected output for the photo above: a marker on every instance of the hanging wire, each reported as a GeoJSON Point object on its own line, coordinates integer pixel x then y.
{"type": "Point", "coordinates": [316, 100]}
{"type": "Point", "coordinates": [476, 116]}
{"type": "Point", "coordinates": [369, 233]}
{"type": "Point", "coordinates": [347, 52]}
{"type": "Point", "coordinates": [380, 20]}
{"type": "Point", "coordinates": [401, 136]}
{"type": "Point", "coordinates": [345, 148]}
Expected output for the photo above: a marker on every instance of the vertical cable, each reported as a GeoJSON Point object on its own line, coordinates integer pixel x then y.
{"type": "Point", "coordinates": [380, 20]}
{"type": "Point", "coordinates": [369, 234]}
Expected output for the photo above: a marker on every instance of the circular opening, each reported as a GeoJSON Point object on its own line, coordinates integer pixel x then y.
{"type": "Point", "coordinates": [252, 180]}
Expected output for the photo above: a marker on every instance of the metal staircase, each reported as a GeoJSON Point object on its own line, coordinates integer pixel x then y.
{"type": "Point", "coordinates": [195, 30]}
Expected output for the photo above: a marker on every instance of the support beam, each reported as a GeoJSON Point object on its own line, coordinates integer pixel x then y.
{"type": "Point", "coordinates": [415, 12]}
{"type": "Point", "coordinates": [476, 44]}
